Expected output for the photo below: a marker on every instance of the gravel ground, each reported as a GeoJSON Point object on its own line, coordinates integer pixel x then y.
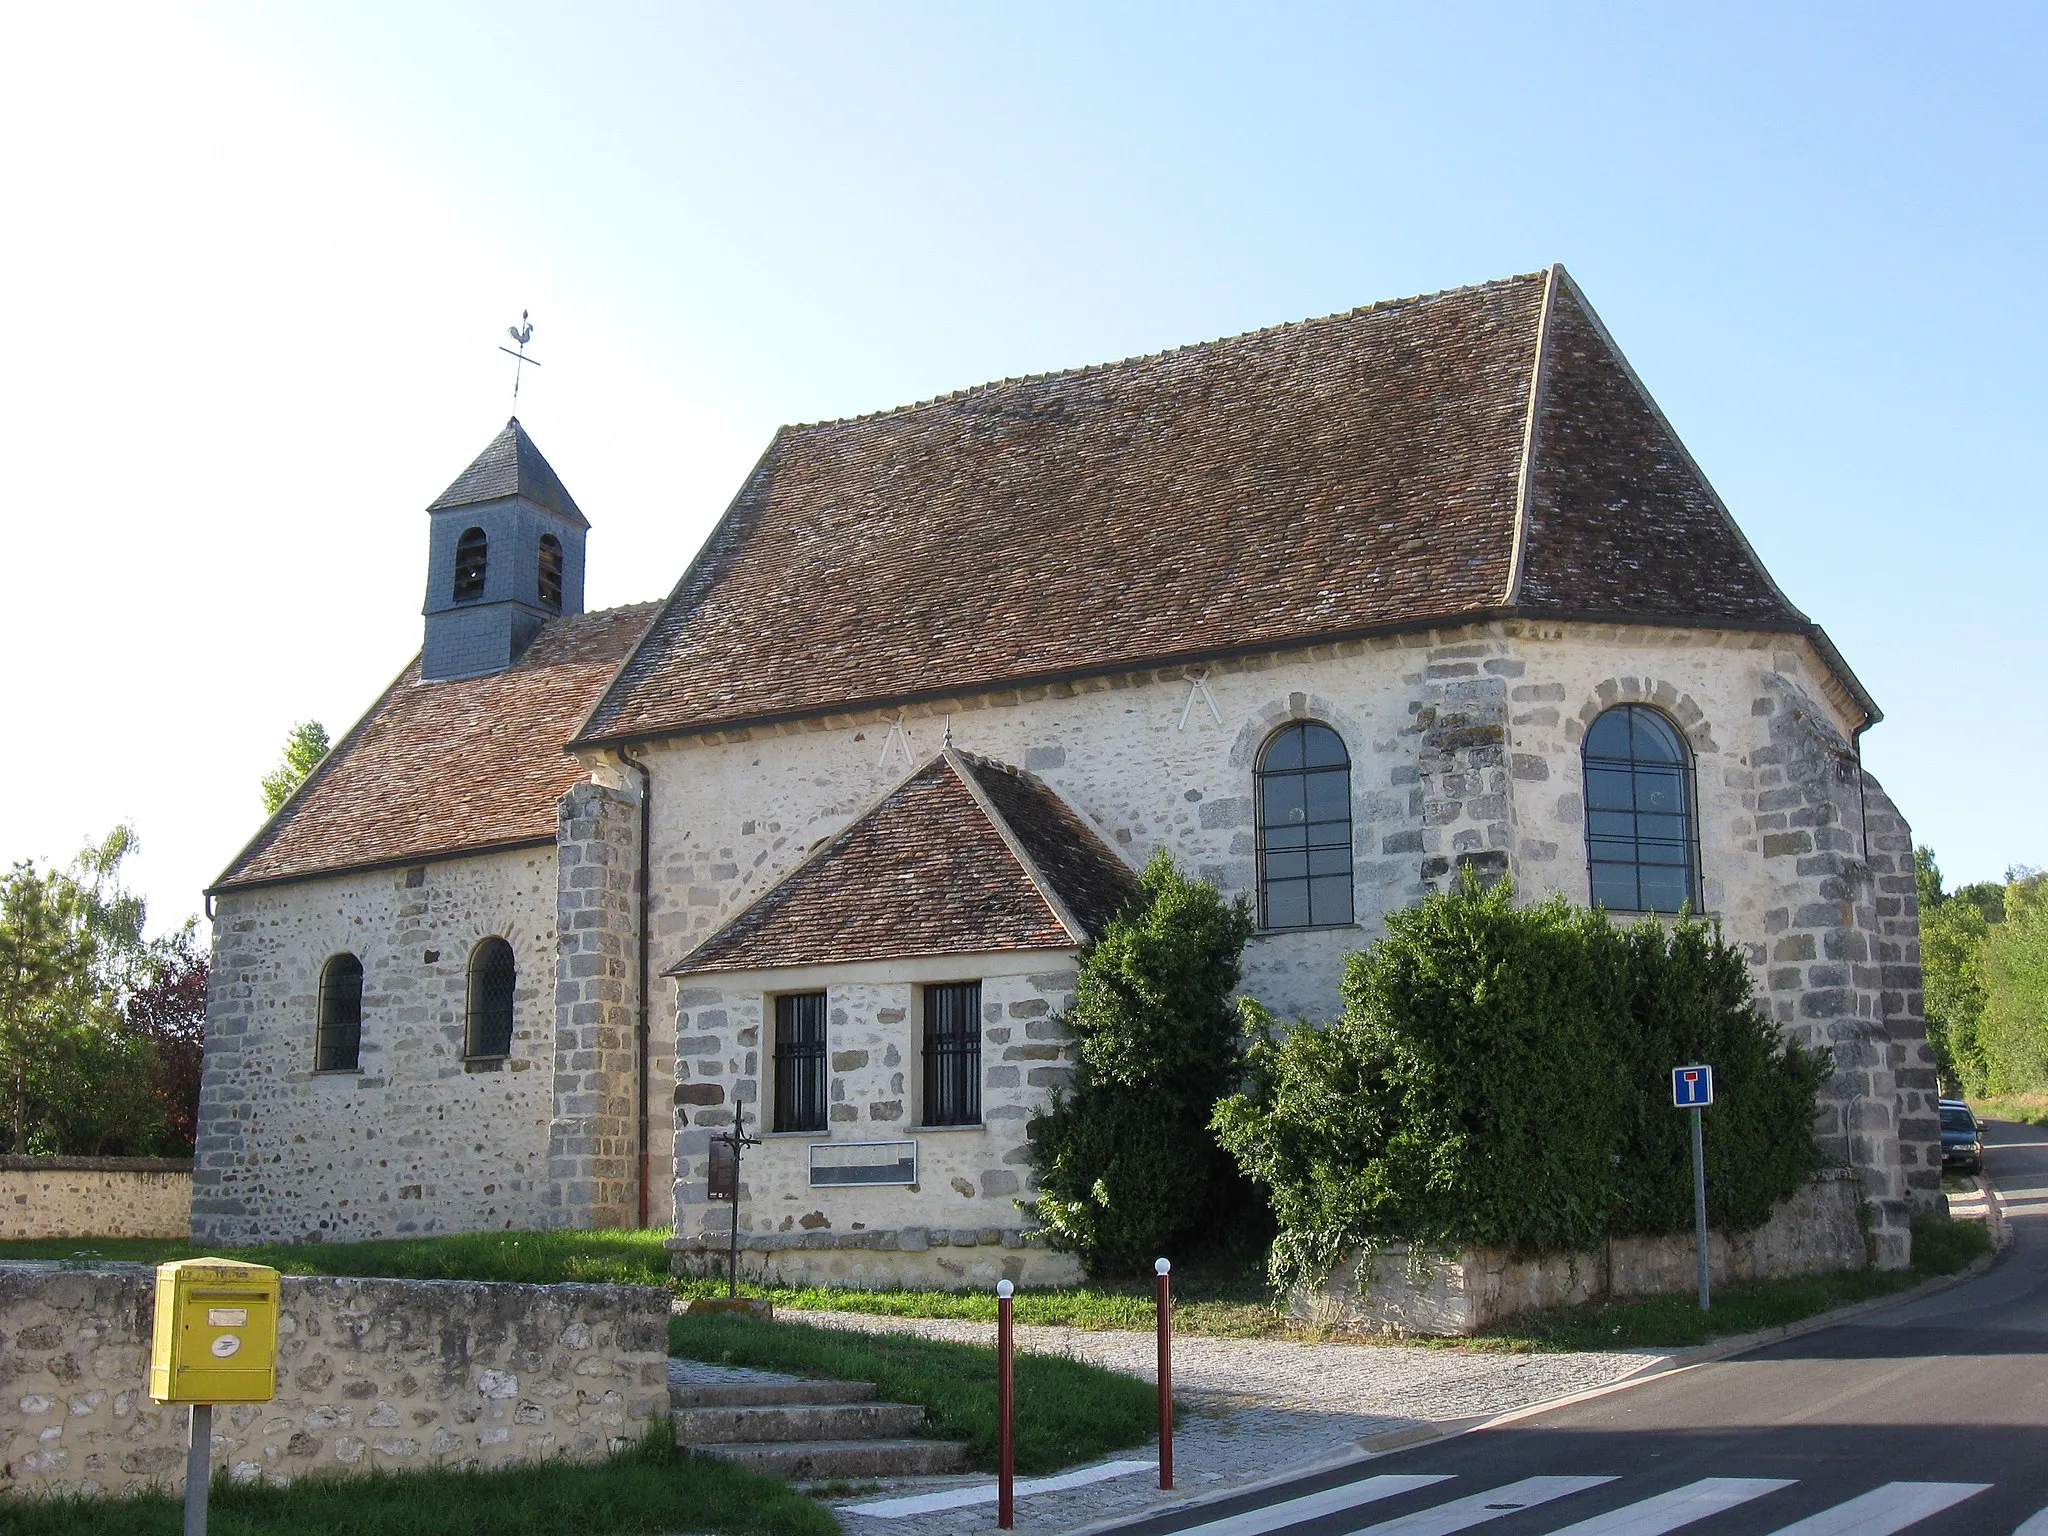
{"type": "Point", "coordinates": [1254, 1408]}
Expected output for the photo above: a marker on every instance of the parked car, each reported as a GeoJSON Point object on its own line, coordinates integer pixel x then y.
{"type": "Point", "coordinates": [1962, 1139]}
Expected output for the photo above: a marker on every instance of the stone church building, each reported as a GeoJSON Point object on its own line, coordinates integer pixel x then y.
{"type": "Point", "coordinates": [1328, 612]}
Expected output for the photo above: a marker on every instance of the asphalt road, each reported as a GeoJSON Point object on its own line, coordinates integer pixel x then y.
{"type": "Point", "coordinates": [1930, 1417]}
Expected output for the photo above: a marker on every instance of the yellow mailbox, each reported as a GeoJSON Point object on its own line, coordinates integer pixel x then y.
{"type": "Point", "coordinates": [216, 1333]}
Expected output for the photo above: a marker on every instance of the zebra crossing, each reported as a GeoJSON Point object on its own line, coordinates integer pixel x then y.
{"type": "Point", "coordinates": [1879, 1512]}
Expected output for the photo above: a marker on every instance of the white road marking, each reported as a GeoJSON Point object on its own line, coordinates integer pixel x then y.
{"type": "Point", "coordinates": [2038, 1526]}
{"type": "Point", "coordinates": [985, 1493]}
{"type": "Point", "coordinates": [1311, 1506]}
{"type": "Point", "coordinates": [1884, 1510]}
{"type": "Point", "coordinates": [1681, 1506]}
{"type": "Point", "coordinates": [1478, 1508]}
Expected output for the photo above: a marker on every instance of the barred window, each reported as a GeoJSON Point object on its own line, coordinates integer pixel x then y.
{"type": "Point", "coordinates": [472, 554]}
{"type": "Point", "coordinates": [1642, 837]}
{"type": "Point", "coordinates": [550, 572]}
{"type": "Point", "coordinates": [952, 1054]}
{"type": "Point", "coordinates": [800, 1062]}
{"type": "Point", "coordinates": [338, 1035]}
{"type": "Point", "coordinates": [1304, 787]}
{"type": "Point", "coordinates": [492, 977]}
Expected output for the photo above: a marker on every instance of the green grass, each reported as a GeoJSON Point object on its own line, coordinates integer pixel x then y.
{"type": "Point", "coordinates": [2026, 1108]}
{"type": "Point", "coordinates": [1066, 1411]}
{"type": "Point", "coordinates": [544, 1258]}
{"type": "Point", "coordinates": [1941, 1246]}
{"type": "Point", "coordinates": [643, 1491]}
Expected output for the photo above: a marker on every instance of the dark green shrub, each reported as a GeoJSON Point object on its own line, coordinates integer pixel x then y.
{"type": "Point", "coordinates": [1500, 1077]}
{"type": "Point", "coordinates": [1125, 1159]}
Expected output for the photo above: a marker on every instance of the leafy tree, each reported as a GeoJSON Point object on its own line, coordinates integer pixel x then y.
{"type": "Point", "coordinates": [80, 1073]}
{"type": "Point", "coordinates": [167, 1012]}
{"type": "Point", "coordinates": [2015, 1023]}
{"type": "Point", "coordinates": [303, 749]}
{"type": "Point", "coordinates": [1500, 1077]}
{"type": "Point", "coordinates": [1953, 929]}
{"type": "Point", "coordinates": [1125, 1159]}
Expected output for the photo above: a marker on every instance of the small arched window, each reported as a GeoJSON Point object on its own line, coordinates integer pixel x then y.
{"type": "Point", "coordinates": [1304, 789]}
{"type": "Point", "coordinates": [472, 555]}
{"type": "Point", "coordinates": [492, 976]}
{"type": "Point", "coordinates": [550, 573]}
{"type": "Point", "coordinates": [338, 1041]}
{"type": "Point", "coordinates": [1642, 842]}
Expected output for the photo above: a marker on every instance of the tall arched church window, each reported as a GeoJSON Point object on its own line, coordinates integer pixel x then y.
{"type": "Point", "coordinates": [1642, 837]}
{"type": "Point", "coordinates": [492, 976]}
{"type": "Point", "coordinates": [472, 555]}
{"type": "Point", "coordinates": [1304, 794]}
{"type": "Point", "coordinates": [338, 1037]}
{"type": "Point", "coordinates": [551, 572]}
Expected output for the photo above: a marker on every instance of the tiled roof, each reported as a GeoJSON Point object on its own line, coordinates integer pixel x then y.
{"type": "Point", "coordinates": [963, 857]}
{"type": "Point", "coordinates": [444, 767]}
{"type": "Point", "coordinates": [1361, 472]}
{"type": "Point", "coordinates": [510, 465]}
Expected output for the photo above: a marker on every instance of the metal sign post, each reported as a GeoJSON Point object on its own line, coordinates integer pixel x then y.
{"type": "Point", "coordinates": [1693, 1088]}
{"type": "Point", "coordinates": [1006, 1426]}
{"type": "Point", "coordinates": [1162, 1302]}
{"type": "Point", "coordinates": [724, 1184]}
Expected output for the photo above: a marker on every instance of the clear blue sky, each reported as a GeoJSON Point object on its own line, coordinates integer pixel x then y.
{"type": "Point", "coordinates": [259, 259]}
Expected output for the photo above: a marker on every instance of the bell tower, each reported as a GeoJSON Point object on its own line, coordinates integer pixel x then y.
{"type": "Point", "coordinates": [504, 555]}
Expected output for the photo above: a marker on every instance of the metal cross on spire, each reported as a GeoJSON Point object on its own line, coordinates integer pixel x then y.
{"type": "Point", "coordinates": [521, 333]}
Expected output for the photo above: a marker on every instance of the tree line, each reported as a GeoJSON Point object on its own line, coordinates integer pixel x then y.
{"type": "Point", "coordinates": [1984, 959]}
{"type": "Point", "coordinates": [102, 1029]}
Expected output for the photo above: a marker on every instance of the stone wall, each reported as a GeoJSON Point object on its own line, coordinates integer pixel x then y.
{"type": "Point", "coordinates": [95, 1197]}
{"type": "Point", "coordinates": [389, 1374]}
{"type": "Point", "coordinates": [1817, 1231]}
{"type": "Point", "coordinates": [959, 1224]}
{"type": "Point", "coordinates": [417, 1140]}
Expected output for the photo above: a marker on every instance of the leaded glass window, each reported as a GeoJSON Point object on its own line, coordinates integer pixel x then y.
{"type": "Point", "coordinates": [952, 1054]}
{"type": "Point", "coordinates": [492, 977]}
{"type": "Point", "coordinates": [338, 1035]}
{"type": "Point", "coordinates": [1642, 845]}
{"type": "Point", "coordinates": [1304, 793]}
{"type": "Point", "coordinates": [800, 1061]}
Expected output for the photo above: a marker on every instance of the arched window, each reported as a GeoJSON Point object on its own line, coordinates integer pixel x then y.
{"type": "Point", "coordinates": [492, 976]}
{"type": "Point", "coordinates": [550, 572]}
{"type": "Point", "coordinates": [1642, 843]}
{"type": "Point", "coordinates": [1304, 783]}
{"type": "Point", "coordinates": [338, 1041]}
{"type": "Point", "coordinates": [472, 552]}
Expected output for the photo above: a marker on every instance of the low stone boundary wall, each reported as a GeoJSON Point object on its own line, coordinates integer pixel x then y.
{"type": "Point", "coordinates": [95, 1197]}
{"type": "Point", "coordinates": [1817, 1231]}
{"type": "Point", "coordinates": [371, 1373]}
{"type": "Point", "coordinates": [916, 1258]}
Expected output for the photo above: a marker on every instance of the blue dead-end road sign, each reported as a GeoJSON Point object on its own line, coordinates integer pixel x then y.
{"type": "Point", "coordinates": [1692, 1087]}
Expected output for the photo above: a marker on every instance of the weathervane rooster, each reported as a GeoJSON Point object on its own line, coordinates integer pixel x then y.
{"type": "Point", "coordinates": [521, 333]}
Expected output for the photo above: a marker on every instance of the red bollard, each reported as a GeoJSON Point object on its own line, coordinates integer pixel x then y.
{"type": "Point", "coordinates": [1006, 1448]}
{"type": "Point", "coordinates": [1163, 1304]}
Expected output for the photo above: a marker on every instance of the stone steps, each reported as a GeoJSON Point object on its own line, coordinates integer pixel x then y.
{"type": "Point", "coordinates": [803, 1431]}
{"type": "Point", "coordinates": [783, 1422]}
{"type": "Point", "coordinates": [814, 1460]}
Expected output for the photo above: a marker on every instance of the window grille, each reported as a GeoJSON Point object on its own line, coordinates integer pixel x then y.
{"type": "Point", "coordinates": [1642, 838]}
{"type": "Point", "coordinates": [1304, 791]}
{"type": "Point", "coordinates": [800, 1062]}
{"type": "Point", "coordinates": [338, 1037]}
{"type": "Point", "coordinates": [472, 553]}
{"type": "Point", "coordinates": [493, 975]}
{"type": "Point", "coordinates": [550, 572]}
{"type": "Point", "coordinates": [952, 1054]}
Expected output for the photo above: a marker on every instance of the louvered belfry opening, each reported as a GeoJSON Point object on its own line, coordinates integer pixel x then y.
{"type": "Point", "coordinates": [472, 555]}
{"type": "Point", "coordinates": [800, 1062]}
{"type": "Point", "coordinates": [492, 977]}
{"type": "Point", "coordinates": [551, 573]}
{"type": "Point", "coordinates": [338, 1037]}
{"type": "Point", "coordinates": [952, 1054]}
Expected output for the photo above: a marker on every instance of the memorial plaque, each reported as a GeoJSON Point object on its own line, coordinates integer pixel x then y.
{"type": "Point", "coordinates": [725, 1172]}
